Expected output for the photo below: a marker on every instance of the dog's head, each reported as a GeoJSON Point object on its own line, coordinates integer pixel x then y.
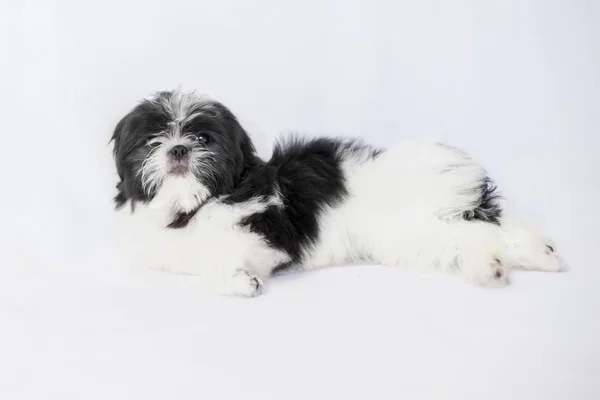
{"type": "Point", "coordinates": [180, 149]}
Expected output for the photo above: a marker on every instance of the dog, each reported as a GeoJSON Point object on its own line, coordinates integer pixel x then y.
{"type": "Point", "coordinates": [194, 197]}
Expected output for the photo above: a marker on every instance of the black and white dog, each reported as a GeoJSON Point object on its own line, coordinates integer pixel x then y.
{"type": "Point", "coordinates": [196, 198]}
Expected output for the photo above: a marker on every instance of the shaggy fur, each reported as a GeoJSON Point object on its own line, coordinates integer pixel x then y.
{"type": "Point", "coordinates": [195, 197]}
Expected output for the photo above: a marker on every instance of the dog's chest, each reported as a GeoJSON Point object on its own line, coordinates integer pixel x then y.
{"type": "Point", "coordinates": [212, 239]}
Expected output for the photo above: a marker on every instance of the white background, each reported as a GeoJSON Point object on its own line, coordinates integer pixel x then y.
{"type": "Point", "coordinates": [516, 83]}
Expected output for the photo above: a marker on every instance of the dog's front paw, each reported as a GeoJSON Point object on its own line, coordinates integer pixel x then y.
{"type": "Point", "coordinates": [241, 284]}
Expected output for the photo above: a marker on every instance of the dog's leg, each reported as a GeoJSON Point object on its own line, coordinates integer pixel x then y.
{"type": "Point", "coordinates": [236, 263]}
{"type": "Point", "coordinates": [486, 250]}
{"type": "Point", "coordinates": [238, 282]}
{"type": "Point", "coordinates": [527, 248]}
{"type": "Point", "coordinates": [481, 253]}
{"type": "Point", "coordinates": [472, 249]}
{"type": "Point", "coordinates": [482, 268]}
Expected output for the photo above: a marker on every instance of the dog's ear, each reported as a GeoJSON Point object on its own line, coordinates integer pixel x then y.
{"type": "Point", "coordinates": [123, 139]}
{"type": "Point", "coordinates": [245, 153]}
{"type": "Point", "coordinates": [117, 139]}
{"type": "Point", "coordinates": [121, 197]}
{"type": "Point", "coordinates": [128, 139]}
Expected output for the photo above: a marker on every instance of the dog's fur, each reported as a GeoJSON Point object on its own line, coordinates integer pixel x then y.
{"type": "Point", "coordinates": [222, 212]}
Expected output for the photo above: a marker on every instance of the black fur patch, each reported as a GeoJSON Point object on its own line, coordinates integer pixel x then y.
{"type": "Point", "coordinates": [488, 208]}
{"type": "Point", "coordinates": [182, 219]}
{"type": "Point", "coordinates": [308, 177]}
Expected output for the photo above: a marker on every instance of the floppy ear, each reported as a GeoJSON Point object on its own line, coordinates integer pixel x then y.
{"type": "Point", "coordinates": [245, 153]}
{"type": "Point", "coordinates": [128, 139]}
{"type": "Point", "coordinates": [117, 140]}
{"type": "Point", "coordinates": [124, 141]}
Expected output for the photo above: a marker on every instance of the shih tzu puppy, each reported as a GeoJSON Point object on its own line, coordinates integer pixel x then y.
{"type": "Point", "coordinates": [194, 197]}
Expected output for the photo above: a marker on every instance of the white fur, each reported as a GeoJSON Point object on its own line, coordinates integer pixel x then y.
{"type": "Point", "coordinates": [411, 222]}
{"type": "Point", "coordinates": [180, 103]}
{"type": "Point", "coordinates": [211, 245]}
{"type": "Point", "coordinates": [154, 172]}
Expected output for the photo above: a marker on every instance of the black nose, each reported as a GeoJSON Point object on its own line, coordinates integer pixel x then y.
{"type": "Point", "coordinates": [179, 151]}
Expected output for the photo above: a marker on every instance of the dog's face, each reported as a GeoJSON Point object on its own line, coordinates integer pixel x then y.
{"type": "Point", "coordinates": [179, 147]}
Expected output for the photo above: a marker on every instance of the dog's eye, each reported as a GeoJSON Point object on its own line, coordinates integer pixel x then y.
{"type": "Point", "coordinates": [152, 142]}
{"type": "Point", "coordinates": [201, 138]}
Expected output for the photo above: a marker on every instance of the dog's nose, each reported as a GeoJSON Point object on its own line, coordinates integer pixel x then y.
{"type": "Point", "coordinates": [179, 151]}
